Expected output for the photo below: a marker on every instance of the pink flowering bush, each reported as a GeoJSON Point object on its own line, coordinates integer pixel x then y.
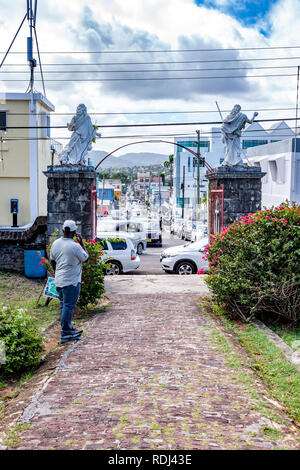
{"type": "Point", "coordinates": [93, 271]}
{"type": "Point", "coordinates": [254, 265]}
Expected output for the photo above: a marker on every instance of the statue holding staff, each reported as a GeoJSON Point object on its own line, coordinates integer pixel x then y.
{"type": "Point", "coordinates": [231, 130]}
{"type": "Point", "coordinates": [84, 133]}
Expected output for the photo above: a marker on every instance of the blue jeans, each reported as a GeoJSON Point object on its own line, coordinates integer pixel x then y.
{"type": "Point", "coordinates": [68, 297]}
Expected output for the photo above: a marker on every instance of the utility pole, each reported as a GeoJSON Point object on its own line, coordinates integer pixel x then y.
{"type": "Point", "coordinates": [183, 187]}
{"type": "Point", "coordinates": [159, 192]}
{"type": "Point", "coordinates": [296, 129]}
{"type": "Point", "coordinates": [198, 172]}
{"type": "Point", "coordinates": [103, 183]}
{"type": "Point", "coordinates": [31, 17]}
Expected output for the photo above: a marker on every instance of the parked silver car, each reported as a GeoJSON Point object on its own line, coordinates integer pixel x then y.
{"type": "Point", "coordinates": [185, 259]}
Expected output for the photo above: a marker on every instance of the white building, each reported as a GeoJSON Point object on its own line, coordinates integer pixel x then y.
{"type": "Point", "coordinates": [281, 163]}
{"type": "Point", "coordinates": [212, 149]}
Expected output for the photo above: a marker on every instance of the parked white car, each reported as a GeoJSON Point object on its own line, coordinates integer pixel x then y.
{"type": "Point", "coordinates": [120, 251]}
{"type": "Point", "coordinates": [133, 229]}
{"type": "Point", "coordinates": [185, 259]}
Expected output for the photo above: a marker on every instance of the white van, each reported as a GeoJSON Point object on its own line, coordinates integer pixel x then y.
{"type": "Point", "coordinates": [132, 228]}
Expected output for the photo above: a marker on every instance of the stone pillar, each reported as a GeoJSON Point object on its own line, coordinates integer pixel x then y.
{"type": "Point", "coordinates": [242, 190]}
{"type": "Point", "coordinates": [69, 197]}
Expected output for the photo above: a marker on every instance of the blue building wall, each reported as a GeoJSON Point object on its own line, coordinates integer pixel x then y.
{"type": "Point", "coordinates": [108, 194]}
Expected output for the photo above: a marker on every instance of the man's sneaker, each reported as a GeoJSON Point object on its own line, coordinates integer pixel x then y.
{"type": "Point", "coordinates": [76, 332]}
{"type": "Point", "coordinates": [72, 337]}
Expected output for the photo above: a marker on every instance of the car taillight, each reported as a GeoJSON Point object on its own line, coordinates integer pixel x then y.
{"type": "Point", "coordinates": [133, 254]}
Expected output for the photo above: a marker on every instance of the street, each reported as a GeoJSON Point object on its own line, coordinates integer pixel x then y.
{"type": "Point", "coordinates": [150, 258]}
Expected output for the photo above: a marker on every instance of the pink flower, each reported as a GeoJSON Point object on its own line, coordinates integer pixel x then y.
{"type": "Point", "coordinates": [200, 271]}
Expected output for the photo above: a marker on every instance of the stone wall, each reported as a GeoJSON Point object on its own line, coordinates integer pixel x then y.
{"type": "Point", "coordinates": [242, 190]}
{"type": "Point", "coordinates": [69, 197]}
{"type": "Point", "coordinates": [14, 241]}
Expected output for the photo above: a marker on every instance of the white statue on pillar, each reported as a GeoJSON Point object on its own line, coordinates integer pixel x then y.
{"type": "Point", "coordinates": [84, 134]}
{"type": "Point", "coordinates": [231, 130]}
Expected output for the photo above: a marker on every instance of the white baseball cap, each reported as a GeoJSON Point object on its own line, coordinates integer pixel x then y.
{"type": "Point", "coordinates": [71, 224]}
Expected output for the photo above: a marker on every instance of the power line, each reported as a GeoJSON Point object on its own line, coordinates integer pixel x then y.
{"type": "Point", "coordinates": [166, 50]}
{"type": "Point", "coordinates": [182, 134]}
{"type": "Point", "coordinates": [159, 70]}
{"type": "Point", "coordinates": [153, 112]}
{"type": "Point", "coordinates": [151, 79]}
{"type": "Point", "coordinates": [161, 62]}
{"type": "Point", "coordinates": [150, 124]}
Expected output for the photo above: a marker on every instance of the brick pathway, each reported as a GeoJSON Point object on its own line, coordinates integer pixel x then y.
{"type": "Point", "coordinates": [149, 375]}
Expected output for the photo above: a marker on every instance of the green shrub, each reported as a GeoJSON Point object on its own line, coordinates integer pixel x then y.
{"type": "Point", "coordinates": [254, 265]}
{"type": "Point", "coordinates": [93, 271]}
{"type": "Point", "coordinates": [22, 339]}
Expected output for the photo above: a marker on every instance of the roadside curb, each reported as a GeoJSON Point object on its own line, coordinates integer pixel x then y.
{"type": "Point", "coordinates": [291, 355]}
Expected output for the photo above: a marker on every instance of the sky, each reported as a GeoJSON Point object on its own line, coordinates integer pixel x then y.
{"type": "Point", "coordinates": [194, 42]}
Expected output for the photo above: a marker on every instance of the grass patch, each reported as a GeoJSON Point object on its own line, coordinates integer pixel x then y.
{"type": "Point", "coordinates": [222, 344]}
{"type": "Point", "coordinates": [268, 362]}
{"type": "Point", "coordinates": [18, 291]}
{"type": "Point", "coordinates": [289, 336]}
{"type": "Point", "coordinates": [271, 432]}
{"type": "Point", "coordinates": [12, 434]}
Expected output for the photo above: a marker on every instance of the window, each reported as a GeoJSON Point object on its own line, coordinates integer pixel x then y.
{"type": "Point", "coordinates": [193, 143]}
{"type": "Point", "coordinates": [3, 120]}
{"type": "Point", "coordinates": [103, 243]}
{"type": "Point", "coordinates": [118, 244]}
{"type": "Point", "coordinates": [195, 162]}
{"type": "Point", "coordinates": [253, 143]}
{"type": "Point", "coordinates": [273, 169]}
{"type": "Point", "coordinates": [48, 126]}
{"type": "Point", "coordinates": [45, 123]}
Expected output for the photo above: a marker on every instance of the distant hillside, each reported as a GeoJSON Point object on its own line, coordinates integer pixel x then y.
{"type": "Point", "coordinates": [128, 160]}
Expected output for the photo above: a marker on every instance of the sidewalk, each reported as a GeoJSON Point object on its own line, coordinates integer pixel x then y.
{"type": "Point", "coordinates": [149, 375]}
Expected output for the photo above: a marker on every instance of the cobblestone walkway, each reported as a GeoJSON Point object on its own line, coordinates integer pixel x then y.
{"type": "Point", "coordinates": [149, 374]}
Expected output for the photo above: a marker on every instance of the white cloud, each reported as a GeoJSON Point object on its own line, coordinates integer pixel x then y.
{"type": "Point", "coordinates": [155, 24]}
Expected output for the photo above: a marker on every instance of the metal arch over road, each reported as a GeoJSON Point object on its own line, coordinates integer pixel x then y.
{"type": "Point", "coordinates": [197, 155]}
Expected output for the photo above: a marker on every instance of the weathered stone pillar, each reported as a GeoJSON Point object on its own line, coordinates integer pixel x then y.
{"type": "Point", "coordinates": [69, 197]}
{"type": "Point", "coordinates": [241, 191]}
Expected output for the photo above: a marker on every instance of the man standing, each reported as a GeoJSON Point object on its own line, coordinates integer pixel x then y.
{"type": "Point", "coordinates": [66, 257]}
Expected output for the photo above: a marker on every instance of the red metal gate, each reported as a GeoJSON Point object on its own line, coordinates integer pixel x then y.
{"type": "Point", "coordinates": [93, 212]}
{"type": "Point", "coordinates": [216, 210]}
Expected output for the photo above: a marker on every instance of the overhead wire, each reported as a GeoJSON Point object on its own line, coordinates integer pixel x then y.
{"type": "Point", "coordinates": [153, 112]}
{"type": "Point", "coordinates": [158, 70]}
{"type": "Point", "coordinates": [162, 62]}
{"type": "Point", "coordinates": [150, 79]}
{"type": "Point", "coordinates": [166, 50]}
{"type": "Point", "coordinates": [204, 133]}
{"type": "Point", "coordinates": [149, 124]}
